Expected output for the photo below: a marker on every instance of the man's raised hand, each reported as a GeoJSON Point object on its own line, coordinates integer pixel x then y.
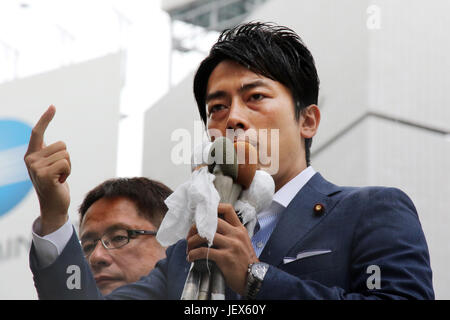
{"type": "Point", "coordinates": [49, 167]}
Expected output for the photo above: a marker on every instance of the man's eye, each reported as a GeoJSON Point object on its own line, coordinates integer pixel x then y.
{"type": "Point", "coordinates": [119, 239]}
{"type": "Point", "coordinates": [256, 97]}
{"type": "Point", "coordinates": [88, 247]}
{"type": "Point", "coordinates": [216, 108]}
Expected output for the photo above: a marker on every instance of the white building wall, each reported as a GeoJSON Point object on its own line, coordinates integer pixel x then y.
{"type": "Point", "coordinates": [409, 62]}
{"type": "Point", "coordinates": [351, 160]}
{"type": "Point", "coordinates": [174, 113]}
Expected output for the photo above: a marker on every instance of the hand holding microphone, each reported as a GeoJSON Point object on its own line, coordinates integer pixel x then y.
{"type": "Point", "coordinates": [194, 208]}
{"type": "Point", "coordinates": [232, 249]}
{"type": "Point", "coordinates": [230, 163]}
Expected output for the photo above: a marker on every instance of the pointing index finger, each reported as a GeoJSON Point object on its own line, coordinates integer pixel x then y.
{"type": "Point", "coordinates": [37, 134]}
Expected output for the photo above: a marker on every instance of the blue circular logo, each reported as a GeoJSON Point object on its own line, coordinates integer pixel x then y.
{"type": "Point", "coordinates": [14, 181]}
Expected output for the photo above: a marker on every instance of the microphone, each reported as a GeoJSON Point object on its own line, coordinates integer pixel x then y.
{"type": "Point", "coordinates": [230, 163]}
{"type": "Point", "coordinates": [234, 166]}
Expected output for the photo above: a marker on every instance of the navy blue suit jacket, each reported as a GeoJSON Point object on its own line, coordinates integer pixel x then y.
{"type": "Point", "coordinates": [360, 227]}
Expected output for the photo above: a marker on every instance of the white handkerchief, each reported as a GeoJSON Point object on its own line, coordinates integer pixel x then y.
{"type": "Point", "coordinates": [305, 254]}
{"type": "Point", "coordinates": [195, 201]}
{"type": "Point", "coordinates": [255, 199]}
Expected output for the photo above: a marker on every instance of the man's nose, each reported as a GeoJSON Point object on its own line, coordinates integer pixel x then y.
{"type": "Point", "coordinates": [238, 116]}
{"type": "Point", "coordinates": [100, 257]}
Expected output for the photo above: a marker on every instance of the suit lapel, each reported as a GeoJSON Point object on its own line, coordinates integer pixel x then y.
{"type": "Point", "coordinates": [299, 218]}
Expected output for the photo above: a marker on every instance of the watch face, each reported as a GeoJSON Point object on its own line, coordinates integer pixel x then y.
{"type": "Point", "coordinates": [259, 270]}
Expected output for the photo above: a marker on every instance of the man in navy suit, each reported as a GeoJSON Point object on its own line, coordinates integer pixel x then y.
{"type": "Point", "coordinates": [316, 240]}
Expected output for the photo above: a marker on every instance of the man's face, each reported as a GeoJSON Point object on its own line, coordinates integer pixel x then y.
{"type": "Point", "coordinates": [117, 267]}
{"type": "Point", "coordinates": [238, 98]}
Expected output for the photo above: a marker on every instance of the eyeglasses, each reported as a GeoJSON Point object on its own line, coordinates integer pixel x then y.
{"type": "Point", "coordinates": [113, 239]}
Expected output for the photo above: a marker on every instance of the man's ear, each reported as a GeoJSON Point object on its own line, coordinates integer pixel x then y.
{"type": "Point", "coordinates": [309, 121]}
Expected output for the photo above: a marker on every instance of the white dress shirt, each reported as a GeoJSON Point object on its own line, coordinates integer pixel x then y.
{"type": "Point", "coordinates": [269, 217]}
{"type": "Point", "coordinates": [49, 247]}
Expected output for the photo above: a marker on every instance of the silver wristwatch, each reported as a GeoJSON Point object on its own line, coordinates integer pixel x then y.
{"type": "Point", "coordinates": [255, 276]}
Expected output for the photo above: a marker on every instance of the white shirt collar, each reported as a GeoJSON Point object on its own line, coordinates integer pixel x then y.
{"type": "Point", "coordinates": [285, 195]}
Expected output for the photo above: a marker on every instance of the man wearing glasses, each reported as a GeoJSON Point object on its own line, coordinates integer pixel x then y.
{"type": "Point", "coordinates": [118, 218]}
{"type": "Point", "coordinates": [118, 223]}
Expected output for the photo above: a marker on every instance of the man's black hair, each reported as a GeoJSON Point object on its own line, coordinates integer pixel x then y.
{"type": "Point", "coordinates": [147, 195]}
{"type": "Point", "coordinates": [275, 52]}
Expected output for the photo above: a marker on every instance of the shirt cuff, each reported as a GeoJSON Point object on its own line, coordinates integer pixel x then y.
{"type": "Point", "coordinates": [49, 247]}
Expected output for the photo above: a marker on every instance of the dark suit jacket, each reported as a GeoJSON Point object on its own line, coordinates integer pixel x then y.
{"type": "Point", "coordinates": [361, 227]}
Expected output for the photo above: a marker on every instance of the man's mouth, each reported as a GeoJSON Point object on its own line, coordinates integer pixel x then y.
{"type": "Point", "coordinates": [102, 280]}
{"type": "Point", "coordinates": [247, 139]}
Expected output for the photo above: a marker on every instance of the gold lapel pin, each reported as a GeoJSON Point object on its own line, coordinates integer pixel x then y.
{"type": "Point", "coordinates": [318, 208]}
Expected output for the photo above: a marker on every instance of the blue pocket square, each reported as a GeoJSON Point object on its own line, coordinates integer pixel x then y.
{"type": "Point", "coordinates": [305, 254]}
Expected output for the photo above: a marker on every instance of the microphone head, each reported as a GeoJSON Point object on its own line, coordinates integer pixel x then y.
{"type": "Point", "coordinates": [237, 160]}
{"type": "Point", "coordinates": [247, 157]}
{"type": "Point", "coordinates": [223, 154]}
